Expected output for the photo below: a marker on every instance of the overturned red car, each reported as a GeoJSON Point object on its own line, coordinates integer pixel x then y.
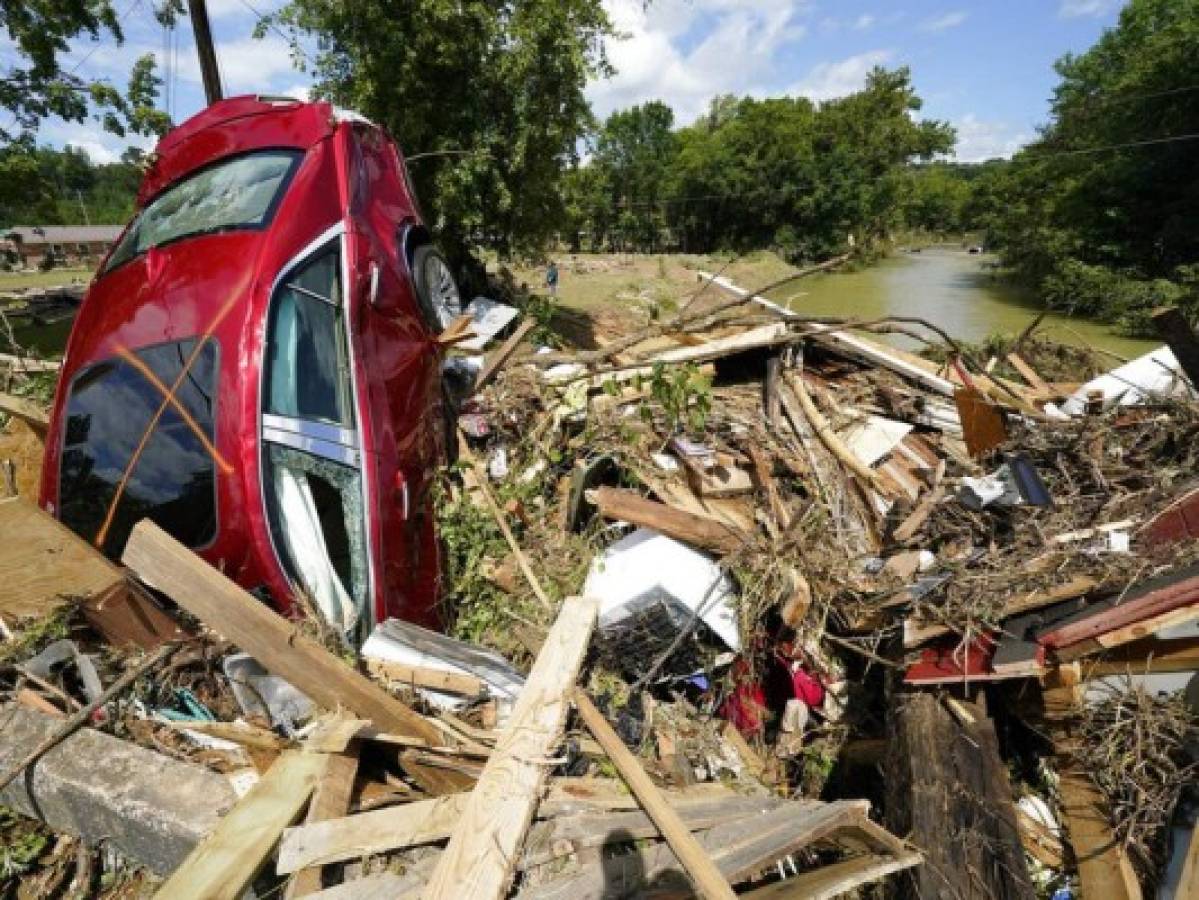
{"type": "Point", "coordinates": [255, 366]}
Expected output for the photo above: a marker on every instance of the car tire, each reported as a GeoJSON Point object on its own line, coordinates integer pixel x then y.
{"type": "Point", "coordinates": [436, 291]}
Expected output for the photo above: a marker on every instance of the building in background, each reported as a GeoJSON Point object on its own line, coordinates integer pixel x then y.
{"type": "Point", "coordinates": [34, 246]}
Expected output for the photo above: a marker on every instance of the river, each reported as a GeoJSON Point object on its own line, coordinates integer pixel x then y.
{"type": "Point", "coordinates": [954, 290]}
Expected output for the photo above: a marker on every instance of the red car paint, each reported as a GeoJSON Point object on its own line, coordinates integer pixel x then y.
{"type": "Point", "coordinates": [350, 174]}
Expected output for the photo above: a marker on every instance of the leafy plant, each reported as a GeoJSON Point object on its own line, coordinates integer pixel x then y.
{"type": "Point", "coordinates": [683, 393]}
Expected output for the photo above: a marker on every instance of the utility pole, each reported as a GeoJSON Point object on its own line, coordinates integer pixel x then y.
{"type": "Point", "coordinates": [208, 69]}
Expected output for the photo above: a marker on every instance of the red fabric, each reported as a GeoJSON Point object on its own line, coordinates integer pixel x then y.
{"type": "Point", "coordinates": [745, 708]}
{"type": "Point", "coordinates": [808, 687]}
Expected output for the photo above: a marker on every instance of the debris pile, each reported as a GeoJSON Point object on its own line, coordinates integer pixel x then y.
{"type": "Point", "coordinates": [738, 601]}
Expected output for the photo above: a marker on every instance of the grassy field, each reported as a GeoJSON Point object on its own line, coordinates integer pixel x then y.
{"type": "Point", "coordinates": [11, 281]}
{"type": "Point", "coordinates": [588, 281]}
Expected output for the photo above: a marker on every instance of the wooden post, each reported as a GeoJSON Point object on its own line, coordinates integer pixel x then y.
{"type": "Point", "coordinates": [1177, 333]}
{"type": "Point", "coordinates": [204, 48]}
{"type": "Point", "coordinates": [699, 531]}
{"type": "Point", "coordinates": [695, 859]}
{"type": "Point", "coordinates": [480, 858]}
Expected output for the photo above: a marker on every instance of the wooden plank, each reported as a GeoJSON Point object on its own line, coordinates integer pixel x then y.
{"type": "Point", "coordinates": [836, 879]}
{"type": "Point", "coordinates": [481, 855]}
{"type": "Point", "coordinates": [1029, 374]}
{"type": "Point", "coordinates": [28, 364]}
{"type": "Point", "coordinates": [331, 800]}
{"type": "Point", "coordinates": [702, 871]}
{"type": "Point", "coordinates": [907, 529]}
{"type": "Point", "coordinates": [378, 831]}
{"type": "Point", "coordinates": [224, 864]}
{"type": "Point", "coordinates": [1176, 331]}
{"type": "Point", "coordinates": [49, 562]}
{"type": "Point", "coordinates": [168, 566]}
{"type": "Point", "coordinates": [617, 503]}
{"type": "Point", "coordinates": [496, 362]}
{"type": "Point", "coordinates": [422, 676]}
{"type": "Point", "coordinates": [1104, 870]}
{"type": "Point", "coordinates": [28, 412]}
{"type": "Point", "coordinates": [739, 849]}
{"type": "Point", "coordinates": [1145, 656]}
{"type": "Point", "coordinates": [753, 339]}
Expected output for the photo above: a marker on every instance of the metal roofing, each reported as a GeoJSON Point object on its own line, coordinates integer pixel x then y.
{"type": "Point", "coordinates": [63, 234]}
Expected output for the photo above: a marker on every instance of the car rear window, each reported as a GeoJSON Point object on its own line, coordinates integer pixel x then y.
{"type": "Point", "coordinates": [240, 192]}
{"type": "Point", "coordinates": [129, 453]}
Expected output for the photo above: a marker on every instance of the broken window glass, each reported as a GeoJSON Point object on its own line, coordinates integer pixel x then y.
{"type": "Point", "coordinates": [241, 192]}
{"type": "Point", "coordinates": [172, 479]}
{"type": "Point", "coordinates": [316, 515]}
{"type": "Point", "coordinates": [307, 359]}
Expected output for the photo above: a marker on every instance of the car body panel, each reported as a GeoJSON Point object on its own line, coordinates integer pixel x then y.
{"type": "Point", "coordinates": [221, 285]}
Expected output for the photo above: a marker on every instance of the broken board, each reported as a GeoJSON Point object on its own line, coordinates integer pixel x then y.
{"type": "Point", "coordinates": [49, 562]}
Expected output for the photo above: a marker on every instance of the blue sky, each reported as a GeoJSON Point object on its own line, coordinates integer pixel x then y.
{"type": "Point", "coordinates": [985, 66]}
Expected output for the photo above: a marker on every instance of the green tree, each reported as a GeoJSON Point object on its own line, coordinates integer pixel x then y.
{"type": "Point", "coordinates": [635, 151]}
{"type": "Point", "coordinates": [1101, 214]}
{"type": "Point", "coordinates": [498, 84]}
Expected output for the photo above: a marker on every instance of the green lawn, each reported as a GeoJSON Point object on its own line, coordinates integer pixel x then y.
{"type": "Point", "coordinates": [11, 281]}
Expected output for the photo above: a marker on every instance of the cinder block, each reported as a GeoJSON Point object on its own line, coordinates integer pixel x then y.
{"type": "Point", "coordinates": [152, 808]}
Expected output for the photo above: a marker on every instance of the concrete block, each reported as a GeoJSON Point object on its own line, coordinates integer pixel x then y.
{"type": "Point", "coordinates": [152, 808]}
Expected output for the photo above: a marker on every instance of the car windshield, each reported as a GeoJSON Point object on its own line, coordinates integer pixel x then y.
{"type": "Point", "coordinates": [241, 192]}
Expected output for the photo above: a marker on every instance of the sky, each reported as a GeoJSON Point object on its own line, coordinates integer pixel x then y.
{"type": "Point", "coordinates": [984, 66]}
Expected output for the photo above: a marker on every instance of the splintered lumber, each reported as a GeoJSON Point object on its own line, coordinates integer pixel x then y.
{"type": "Point", "coordinates": [740, 850]}
{"type": "Point", "coordinates": [914, 635]}
{"type": "Point", "coordinates": [480, 858]}
{"type": "Point", "coordinates": [1104, 869]}
{"type": "Point", "coordinates": [496, 362]}
{"type": "Point", "coordinates": [48, 562]}
{"type": "Point", "coordinates": [1176, 331]}
{"type": "Point", "coordinates": [617, 503]}
{"type": "Point", "coordinates": [28, 412]}
{"type": "Point", "coordinates": [378, 831]}
{"type": "Point", "coordinates": [703, 872]}
{"type": "Point", "coordinates": [166, 565]}
{"type": "Point", "coordinates": [948, 791]}
{"type": "Point", "coordinates": [1029, 374]}
{"type": "Point", "coordinates": [423, 676]}
{"type": "Point", "coordinates": [824, 431]}
{"type": "Point", "coordinates": [569, 824]}
{"type": "Point", "coordinates": [224, 864]}
{"type": "Point", "coordinates": [836, 879]}
{"type": "Point", "coordinates": [330, 800]}
{"type": "Point", "coordinates": [753, 339]}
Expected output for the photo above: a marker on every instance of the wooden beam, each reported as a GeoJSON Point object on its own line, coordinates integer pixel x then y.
{"type": "Point", "coordinates": [480, 858]}
{"type": "Point", "coordinates": [824, 431]}
{"type": "Point", "coordinates": [423, 676]}
{"type": "Point", "coordinates": [617, 503]}
{"type": "Point", "coordinates": [166, 565]}
{"type": "Point", "coordinates": [1176, 331]}
{"type": "Point", "coordinates": [47, 564]}
{"type": "Point", "coordinates": [836, 879]}
{"type": "Point", "coordinates": [707, 878]}
{"type": "Point", "coordinates": [1029, 374]}
{"type": "Point", "coordinates": [496, 362]}
{"type": "Point", "coordinates": [224, 864]}
{"type": "Point", "coordinates": [331, 800]}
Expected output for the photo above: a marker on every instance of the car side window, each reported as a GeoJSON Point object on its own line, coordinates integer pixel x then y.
{"type": "Point", "coordinates": [312, 473]}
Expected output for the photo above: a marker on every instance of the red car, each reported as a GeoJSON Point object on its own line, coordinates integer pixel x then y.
{"type": "Point", "coordinates": [255, 366]}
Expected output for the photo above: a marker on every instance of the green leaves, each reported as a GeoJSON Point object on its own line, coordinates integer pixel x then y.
{"type": "Point", "coordinates": [504, 79]}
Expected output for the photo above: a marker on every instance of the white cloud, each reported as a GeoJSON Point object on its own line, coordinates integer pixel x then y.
{"type": "Point", "coordinates": [865, 20]}
{"type": "Point", "coordinates": [97, 152]}
{"type": "Point", "coordinates": [979, 140]}
{"type": "Point", "coordinates": [836, 79]}
{"type": "Point", "coordinates": [736, 55]}
{"type": "Point", "coordinates": [945, 22]}
{"type": "Point", "coordinates": [1072, 9]}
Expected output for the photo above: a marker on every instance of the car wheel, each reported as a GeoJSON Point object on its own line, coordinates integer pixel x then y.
{"type": "Point", "coordinates": [436, 290]}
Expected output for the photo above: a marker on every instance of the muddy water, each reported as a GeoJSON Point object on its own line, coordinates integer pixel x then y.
{"type": "Point", "coordinates": [951, 288]}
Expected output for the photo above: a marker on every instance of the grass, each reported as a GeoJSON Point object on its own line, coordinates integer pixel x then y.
{"type": "Point", "coordinates": [11, 281]}
{"type": "Point", "coordinates": [588, 281]}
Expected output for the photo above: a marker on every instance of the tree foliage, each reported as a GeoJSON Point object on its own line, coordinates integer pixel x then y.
{"type": "Point", "coordinates": [781, 172]}
{"type": "Point", "coordinates": [64, 187]}
{"type": "Point", "coordinates": [1101, 214]}
{"type": "Point", "coordinates": [497, 83]}
{"type": "Point", "coordinates": [37, 86]}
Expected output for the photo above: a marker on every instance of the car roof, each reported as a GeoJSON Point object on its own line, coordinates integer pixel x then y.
{"type": "Point", "coordinates": [229, 127]}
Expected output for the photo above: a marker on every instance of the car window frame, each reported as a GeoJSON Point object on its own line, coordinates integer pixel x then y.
{"type": "Point", "coordinates": [321, 439]}
{"type": "Point", "coordinates": [268, 217]}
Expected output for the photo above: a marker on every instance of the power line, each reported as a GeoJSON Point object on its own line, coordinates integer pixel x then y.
{"type": "Point", "coordinates": [1082, 151]}
{"type": "Point", "coordinates": [275, 28]}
